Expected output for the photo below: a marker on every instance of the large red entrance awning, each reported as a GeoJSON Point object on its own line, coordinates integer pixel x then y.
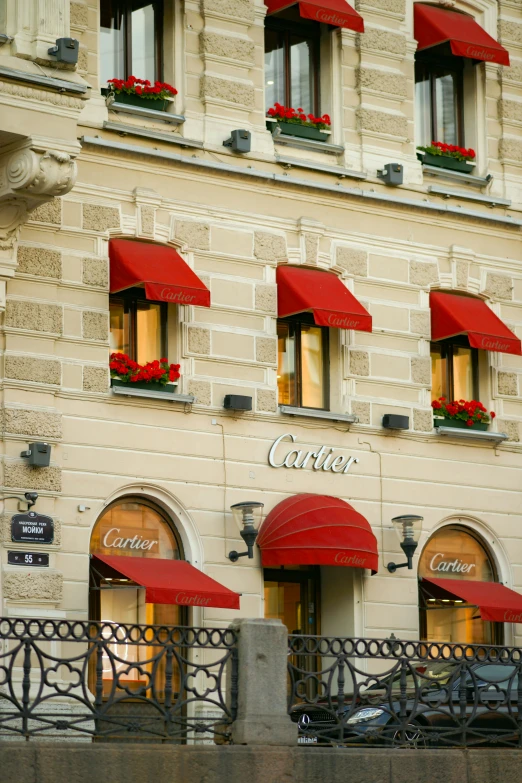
{"type": "Point", "coordinates": [317, 530]}
{"type": "Point", "coordinates": [496, 603]}
{"type": "Point", "coordinates": [434, 25]}
{"type": "Point", "coordinates": [301, 290]}
{"type": "Point", "coordinates": [172, 582]}
{"type": "Point", "coordinates": [452, 314]}
{"type": "Point", "coordinates": [163, 272]}
{"type": "Point", "coordinates": [335, 12]}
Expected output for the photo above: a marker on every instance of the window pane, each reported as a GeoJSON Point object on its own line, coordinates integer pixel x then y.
{"type": "Point", "coordinates": [286, 364]}
{"type": "Point", "coordinates": [462, 373]}
{"type": "Point", "coordinates": [302, 74]}
{"type": "Point", "coordinates": [274, 68]}
{"type": "Point", "coordinates": [112, 42]}
{"type": "Point", "coordinates": [446, 102]}
{"type": "Point", "coordinates": [439, 383]}
{"type": "Point", "coordinates": [422, 107]}
{"type": "Point", "coordinates": [312, 367]}
{"type": "Point", "coordinates": [144, 43]}
{"type": "Point", "coordinates": [120, 331]}
{"type": "Point", "coordinates": [148, 332]}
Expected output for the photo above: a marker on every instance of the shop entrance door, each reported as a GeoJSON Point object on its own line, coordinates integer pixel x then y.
{"type": "Point", "coordinates": [292, 596]}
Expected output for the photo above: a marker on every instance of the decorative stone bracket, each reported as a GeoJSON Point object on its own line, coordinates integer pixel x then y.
{"type": "Point", "coordinates": [30, 175]}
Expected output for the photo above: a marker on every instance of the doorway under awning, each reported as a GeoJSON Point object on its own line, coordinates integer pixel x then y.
{"type": "Point", "coordinates": [496, 603]}
{"type": "Point", "coordinates": [171, 581]}
{"type": "Point", "coordinates": [310, 529]}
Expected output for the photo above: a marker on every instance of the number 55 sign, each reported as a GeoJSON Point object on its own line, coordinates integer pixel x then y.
{"type": "Point", "coordinates": [28, 559]}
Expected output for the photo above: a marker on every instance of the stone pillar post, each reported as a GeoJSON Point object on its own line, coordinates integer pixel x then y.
{"type": "Point", "coordinates": [37, 25]}
{"type": "Point", "coordinates": [262, 717]}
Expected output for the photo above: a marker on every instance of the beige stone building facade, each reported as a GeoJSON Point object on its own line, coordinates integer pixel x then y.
{"type": "Point", "coordinates": [78, 172]}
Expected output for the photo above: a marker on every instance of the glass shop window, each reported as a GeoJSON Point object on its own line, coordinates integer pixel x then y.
{"type": "Point", "coordinates": [131, 528]}
{"type": "Point", "coordinates": [292, 61]}
{"type": "Point", "coordinates": [302, 363]}
{"type": "Point", "coordinates": [439, 104]}
{"type": "Point", "coordinates": [455, 552]}
{"type": "Point", "coordinates": [138, 327]}
{"type": "Point", "coordinates": [454, 370]}
{"type": "Point", "coordinates": [130, 39]}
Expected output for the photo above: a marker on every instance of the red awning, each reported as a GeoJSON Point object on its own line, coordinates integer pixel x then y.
{"type": "Point", "coordinates": [317, 530]}
{"type": "Point", "coordinates": [165, 275]}
{"type": "Point", "coordinates": [434, 25]}
{"type": "Point", "coordinates": [452, 314]}
{"type": "Point", "coordinates": [496, 603]}
{"type": "Point", "coordinates": [301, 290]}
{"type": "Point", "coordinates": [172, 582]}
{"type": "Point", "coordinates": [335, 12]}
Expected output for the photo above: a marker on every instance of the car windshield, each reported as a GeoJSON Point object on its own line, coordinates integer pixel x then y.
{"type": "Point", "coordinates": [432, 674]}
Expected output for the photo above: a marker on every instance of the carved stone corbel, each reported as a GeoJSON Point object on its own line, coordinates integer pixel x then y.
{"type": "Point", "coordinates": [30, 175]}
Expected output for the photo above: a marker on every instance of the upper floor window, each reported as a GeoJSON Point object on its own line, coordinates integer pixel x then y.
{"type": "Point", "coordinates": [130, 39]}
{"type": "Point", "coordinates": [439, 98]}
{"type": "Point", "coordinates": [455, 369]}
{"type": "Point", "coordinates": [292, 61]}
{"type": "Point", "coordinates": [138, 327]}
{"type": "Point", "coordinates": [302, 363]}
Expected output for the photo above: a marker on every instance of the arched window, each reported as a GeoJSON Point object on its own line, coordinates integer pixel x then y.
{"type": "Point", "coordinates": [455, 552]}
{"type": "Point", "coordinates": [132, 527]}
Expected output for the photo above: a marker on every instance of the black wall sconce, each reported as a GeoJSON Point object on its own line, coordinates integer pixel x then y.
{"type": "Point", "coordinates": [248, 518]}
{"type": "Point", "coordinates": [408, 528]}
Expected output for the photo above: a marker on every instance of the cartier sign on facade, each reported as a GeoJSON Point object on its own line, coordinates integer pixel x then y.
{"type": "Point", "coordinates": [321, 458]}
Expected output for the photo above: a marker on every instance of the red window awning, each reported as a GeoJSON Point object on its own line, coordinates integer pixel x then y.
{"type": "Point", "coordinates": [496, 603]}
{"type": "Point", "coordinates": [163, 272]}
{"type": "Point", "coordinates": [335, 12]}
{"type": "Point", "coordinates": [434, 25]}
{"type": "Point", "coordinates": [172, 582]}
{"type": "Point", "coordinates": [317, 530]}
{"type": "Point", "coordinates": [301, 290]}
{"type": "Point", "coordinates": [452, 314]}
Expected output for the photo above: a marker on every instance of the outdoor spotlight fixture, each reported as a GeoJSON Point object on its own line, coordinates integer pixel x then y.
{"type": "Point", "coordinates": [408, 528]}
{"type": "Point", "coordinates": [248, 519]}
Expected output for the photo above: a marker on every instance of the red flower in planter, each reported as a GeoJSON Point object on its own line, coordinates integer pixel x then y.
{"type": "Point", "coordinates": [298, 117]}
{"type": "Point", "coordinates": [125, 369]}
{"type": "Point", "coordinates": [449, 150]}
{"type": "Point", "coordinates": [469, 412]}
{"type": "Point", "coordinates": [142, 87]}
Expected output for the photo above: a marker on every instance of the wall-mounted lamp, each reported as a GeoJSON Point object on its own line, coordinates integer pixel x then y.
{"type": "Point", "coordinates": [248, 518]}
{"type": "Point", "coordinates": [408, 528]}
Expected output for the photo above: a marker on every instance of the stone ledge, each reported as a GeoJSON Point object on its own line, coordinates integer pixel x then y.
{"type": "Point", "coordinates": [348, 418]}
{"type": "Point", "coordinates": [465, 434]}
{"type": "Point", "coordinates": [151, 114]}
{"type": "Point", "coordinates": [135, 130]}
{"type": "Point", "coordinates": [60, 85]}
{"type": "Point", "coordinates": [153, 395]}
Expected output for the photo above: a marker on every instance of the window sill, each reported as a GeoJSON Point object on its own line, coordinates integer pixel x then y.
{"type": "Point", "coordinates": [135, 130]}
{"type": "Point", "coordinates": [152, 395]}
{"type": "Point", "coordinates": [469, 179]}
{"type": "Point", "coordinates": [152, 114]}
{"type": "Point", "coordinates": [338, 171]}
{"type": "Point", "coordinates": [468, 434]}
{"type": "Point", "coordinates": [308, 144]}
{"type": "Point", "coordinates": [348, 418]}
{"type": "Point", "coordinates": [465, 195]}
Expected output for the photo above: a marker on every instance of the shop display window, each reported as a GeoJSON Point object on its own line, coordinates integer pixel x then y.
{"type": "Point", "coordinates": [455, 552]}
{"type": "Point", "coordinates": [302, 363]}
{"type": "Point", "coordinates": [138, 327]}
{"type": "Point", "coordinates": [292, 61]}
{"type": "Point", "coordinates": [131, 528]}
{"type": "Point", "coordinates": [454, 370]}
{"type": "Point", "coordinates": [130, 39]}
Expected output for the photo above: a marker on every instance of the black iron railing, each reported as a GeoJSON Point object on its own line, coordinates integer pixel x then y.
{"type": "Point", "coordinates": [391, 693]}
{"type": "Point", "coordinates": [110, 682]}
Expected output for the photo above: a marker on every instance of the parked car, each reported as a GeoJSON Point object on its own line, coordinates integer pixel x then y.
{"type": "Point", "coordinates": [439, 704]}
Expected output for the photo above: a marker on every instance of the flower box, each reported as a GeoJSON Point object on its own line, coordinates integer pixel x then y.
{"type": "Point", "coordinates": [147, 386]}
{"type": "Point", "coordinates": [445, 162]}
{"type": "Point", "coordinates": [459, 424]}
{"type": "Point", "coordinates": [154, 104]}
{"type": "Point", "coordinates": [301, 131]}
